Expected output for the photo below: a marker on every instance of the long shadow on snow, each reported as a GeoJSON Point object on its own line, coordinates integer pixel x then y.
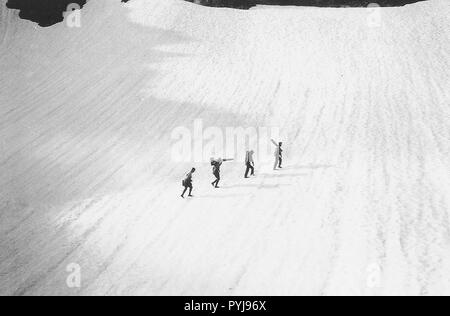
{"type": "Point", "coordinates": [259, 186]}
{"type": "Point", "coordinates": [77, 150]}
{"type": "Point", "coordinates": [290, 175]}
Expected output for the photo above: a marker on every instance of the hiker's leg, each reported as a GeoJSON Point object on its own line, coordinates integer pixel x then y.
{"type": "Point", "coordinates": [281, 161]}
{"type": "Point", "coordinates": [253, 170]}
{"type": "Point", "coordinates": [247, 171]}
{"type": "Point", "coordinates": [218, 180]}
{"type": "Point", "coordinates": [184, 192]}
{"type": "Point", "coordinates": [215, 181]}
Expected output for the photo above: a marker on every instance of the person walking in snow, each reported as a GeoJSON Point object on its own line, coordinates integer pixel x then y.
{"type": "Point", "coordinates": [250, 163]}
{"type": "Point", "coordinates": [278, 155]}
{"type": "Point", "coordinates": [216, 164]}
{"type": "Point", "coordinates": [187, 183]}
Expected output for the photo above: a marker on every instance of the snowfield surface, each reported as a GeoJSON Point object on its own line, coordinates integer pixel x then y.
{"type": "Point", "coordinates": [87, 177]}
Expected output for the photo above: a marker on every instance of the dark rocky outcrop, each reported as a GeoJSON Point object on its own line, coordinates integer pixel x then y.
{"type": "Point", "coordinates": [49, 12]}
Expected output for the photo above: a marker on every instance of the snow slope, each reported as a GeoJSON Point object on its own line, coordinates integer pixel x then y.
{"type": "Point", "coordinates": [86, 116]}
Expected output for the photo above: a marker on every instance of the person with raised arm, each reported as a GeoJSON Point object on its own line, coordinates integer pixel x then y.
{"type": "Point", "coordinates": [278, 155]}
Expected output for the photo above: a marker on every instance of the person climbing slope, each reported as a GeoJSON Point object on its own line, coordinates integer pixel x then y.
{"type": "Point", "coordinates": [187, 183]}
{"type": "Point", "coordinates": [250, 163]}
{"type": "Point", "coordinates": [278, 155]}
{"type": "Point", "coordinates": [216, 164]}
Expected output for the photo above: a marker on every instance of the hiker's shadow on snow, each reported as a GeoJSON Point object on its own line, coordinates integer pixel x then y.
{"type": "Point", "coordinates": [226, 196]}
{"type": "Point", "coordinates": [310, 167]}
{"type": "Point", "coordinates": [258, 186]}
{"type": "Point", "coordinates": [286, 175]}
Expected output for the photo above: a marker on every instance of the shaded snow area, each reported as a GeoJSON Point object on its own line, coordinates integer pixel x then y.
{"type": "Point", "coordinates": [89, 183]}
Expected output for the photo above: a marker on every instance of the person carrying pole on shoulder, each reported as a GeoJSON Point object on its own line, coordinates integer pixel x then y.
{"type": "Point", "coordinates": [216, 164]}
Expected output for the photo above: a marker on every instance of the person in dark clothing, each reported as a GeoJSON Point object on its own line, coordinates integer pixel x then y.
{"type": "Point", "coordinates": [187, 183]}
{"type": "Point", "coordinates": [278, 155]}
{"type": "Point", "coordinates": [216, 164]}
{"type": "Point", "coordinates": [280, 159]}
{"type": "Point", "coordinates": [250, 163]}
